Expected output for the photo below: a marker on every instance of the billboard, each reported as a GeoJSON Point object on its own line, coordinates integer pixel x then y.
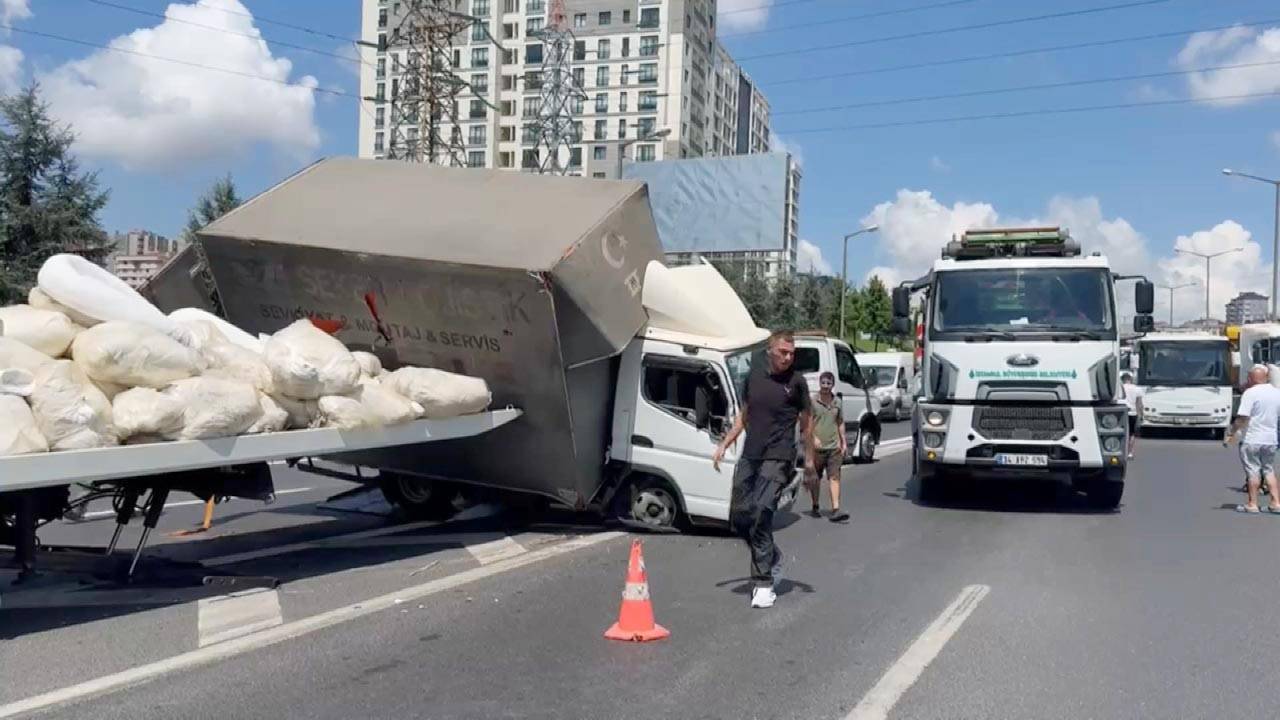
{"type": "Point", "coordinates": [724, 204]}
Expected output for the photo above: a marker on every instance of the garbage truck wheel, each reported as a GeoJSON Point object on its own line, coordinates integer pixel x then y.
{"type": "Point", "coordinates": [419, 498]}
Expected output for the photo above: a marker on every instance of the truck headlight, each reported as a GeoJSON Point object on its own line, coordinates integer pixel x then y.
{"type": "Point", "coordinates": [1110, 421]}
{"type": "Point", "coordinates": [1111, 444]}
{"type": "Point", "coordinates": [935, 418]}
{"type": "Point", "coordinates": [933, 440]}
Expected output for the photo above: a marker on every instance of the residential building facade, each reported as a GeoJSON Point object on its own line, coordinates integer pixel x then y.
{"type": "Point", "coordinates": [644, 66]}
{"type": "Point", "coordinates": [138, 255]}
{"type": "Point", "coordinates": [1247, 307]}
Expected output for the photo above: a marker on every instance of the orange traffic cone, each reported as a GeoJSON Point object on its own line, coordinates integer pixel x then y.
{"type": "Point", "coordinates": [635, 619]}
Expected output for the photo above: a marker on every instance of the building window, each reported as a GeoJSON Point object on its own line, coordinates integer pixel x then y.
{"type": "Point", "coordinates": [606, 18]}
{"type": "Point", "coordinates": [510, 56]}
{"type": "Point", "coordinates": [626, 47]}
{"type": "Point", "coordinates": [533, 54]}
{"type": "Point", "coordinates": [478, 110]}
{"type": "Point", "coordinates": [480, 57]}
{"type": "Point", "coordinates": [382, 42]}
{"type": "Point", "coordinates": [480, 83]}
{"type": "Point", "coordinates": [533, 26]}
{"type": "Point", "coordinates": [478, 33]}
{"type": "Point", "coordinates": [532, 81]}
{"type": "Point", "coordinates": [511, 6]}
{"type": "Point", "coordinates": [649, 46]}
{"type": "Point", "coordinates": [602, 50]}
{"type": "Point", "coordinates": [625, 75]}
{"type": "Point", "coordinates": [576, 105]}
{"type": "Point", "coordinates": [602, 102]}
{"type": "Point", "coordinates": [580, 20]}
{"type": "Point", "coordinates": [508, 108]}
{"type": "Point", "coordinates": [579, 77]}
{"type": "Point", "coordinates": [475, 159]}
{"type": "Point", "coordinates": [622, 102]}
{"type": "Point", "coordinates": [508, 82]}
{"type": "Point", "coordinates": [382, 18]}
{"type": "Point", "coordinates": [575, 157]}
{"type": "Point", "coordinates": [477, 134]}
{"type": "Point", "coordinates": [532, 106]}
{"type": "Point", "coordinates": [510, 31]}
{"type": "Point", "coordinates": [381, 94]}
{"type": "Point", "coordinates": [599, 152]}
{"type": "Point", "coordinates": [382, 68]}
{"type": "Point", "coordinates": [536, 6]}
{"type": "Point", "coordinates": [529, 134]}
{"type": "Point", "coordinates": [626, 16]}
{"type": "Point", "coordinates": [577, 132]}
{"type": "Point", "coordinates": [649, 17]}
{"type": "Point", "coordinates": [506, 159]}
{"type": "Point", "coordinates": [602, 132]}
{"type": "Point", "coordinates": [622, 128]}
{"type": "Point", "coordinates": [480, 8]}
{"type": "Point", "coordinates": [598, 175]}
{"type": "Point", "coordinates": [529, 161]}
{"type": "Point", "coordinates": [378, 142]}
{"type": "Point", "coordinates": [646, 153]}
{"type": "Point", "coordinates": [649, 73]}
{"type": "Point", "coordinates": [648, 100]}
{"type": "Point", "coordinates": [395, 88]}
{"type": "Point", "coordinates": [380, 117]}
{"type": "Point", "coordinates": [645, 127]}
{"type": "Point", "coordinates": [602, 76]}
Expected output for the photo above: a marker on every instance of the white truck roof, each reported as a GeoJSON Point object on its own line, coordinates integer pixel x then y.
{"type": "Point", "coordinates": [1175, 336]}
{"type": "Point", "coordinates": [1004, 263]}
{"type": "Point", "coordinates": [883, 358]}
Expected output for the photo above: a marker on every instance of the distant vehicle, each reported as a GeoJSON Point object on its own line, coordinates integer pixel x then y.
{"type": "Point", "coordinates": [816, 353]}
{"type": "Point", "coordinates": [890, 378]}
{"type": "Point", "coordinates": [1186, 381]}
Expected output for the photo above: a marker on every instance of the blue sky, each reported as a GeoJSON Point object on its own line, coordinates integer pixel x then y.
{"type": "Point", "coordinates": [1129, 182]}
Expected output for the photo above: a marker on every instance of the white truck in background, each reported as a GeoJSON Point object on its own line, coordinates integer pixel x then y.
{"type": "Point", "coordinates": [1020, 364]}
{"type": "Point", "coordinates": [890, 377]}
{"type": "Point", "coordinates": [817, 353]}
{"type": "Point", "coordinates": [1186, 381]}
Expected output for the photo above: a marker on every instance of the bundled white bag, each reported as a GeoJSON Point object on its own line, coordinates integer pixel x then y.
{"type": "Point", "coordinates": [307, 363]}
{"type": "Point", "coordinates": [344, 413]}
{"type": "Point", "coordinates": [16, 381]}
{"type": "Point", "coordinates": [214, 407]}
{"type": "Point", "coordinates": [14, 354]}
{"type": "Point", "coordinates": [133, 355]}
{"type": "Point", "coordinates": [38, 298]}
{"type": "Point", "coordinates": [274, 418]}
{"type": "Point", "coordinates": [227, 360]}
{"type": "Point", "coordinates": [441, 394]}
{"type": "Point", "coordinates": [146, 412]}
{"type": "Point", "coordinates": [66, 411]}
{"type": "Point", "coordinates": [384, 405]}
{"type": "Point", "coordinates": [232, 334]}
{"type": "Point", "coordinates": [48, 331]}
{"type": "Point", "coordinates": [92, 291]}
{"type": "Point", "coordinates": [302, 414]}
{"type": "Point", "coordinates": [370, 365]}
{"type": "Point", "coordinates": [18, 432]}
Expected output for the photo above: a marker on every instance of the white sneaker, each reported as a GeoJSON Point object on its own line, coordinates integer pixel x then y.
{"type": "Point", "coordinates": [763, 597]}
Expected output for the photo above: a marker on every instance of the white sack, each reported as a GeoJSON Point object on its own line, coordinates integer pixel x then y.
{"type": "Point", "coordinates": [18, 432]}
{"type": "Point", "coordinates": [16, 381]}
{"type": "Point", "coordinates": [274, 417]}
{"type": "Point", "coordinates": [66, 411]}
{"type": "Point", "coordinates": [48, 331]}
{"type": "Point", "coordinates": [14, 354]}
{"type": "Point", "coordinates": [145, 411]}
{"type": "Point", "coordinates": [38, 298]}
{"type": "Point", "coordinates": [386, 406]}
{"type": "Point", "coordinates": [133, 355]}
{"type": "Point", "coordinates": [307, 363]}
{"type": "Point", "coordinates": [92, 291]}
{"type": "Point", "coordinates": [344, 413]}
{"type": "Point", "coordinates": [93, 394]}
{"type": "Point", "coordinates": [370, 365]}
{"type": "Point", "coordinates": [214, 407]}
{"type": "Point", "coordinates": [441, 394]}
{"type": "Point", "coordinates": [234, 335]}
{"type": "Point", "coordinates": [231, 361]}
{"type": "Point", "coordinates": [302, 414]}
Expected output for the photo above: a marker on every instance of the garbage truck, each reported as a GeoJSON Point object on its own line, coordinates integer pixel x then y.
{"type": "Point", "coordinates": [1020, 355]}
{"type": "Point", "coordinates": [628, 373]}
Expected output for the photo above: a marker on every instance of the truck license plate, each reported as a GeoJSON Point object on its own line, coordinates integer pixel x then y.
{"type": "Point", "coordinates": [1018, 459]}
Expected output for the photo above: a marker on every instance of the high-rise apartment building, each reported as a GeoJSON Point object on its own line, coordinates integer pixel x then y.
{"type": "Point", "coordinates": [139, 254]}
{"type": "Point", "coordinates": [1247, 307]}
{"type": "Point", "coordinates": [643, 66]}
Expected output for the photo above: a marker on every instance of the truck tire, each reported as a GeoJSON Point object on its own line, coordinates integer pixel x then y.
{"type": "Point", "coordinates": [419, 498]}
{"type": "Point", "coordinates": [651, 502]}
{"type": "Point", "coordinates": [866, 450]}
{"type": "Point", "coordinates": [1105, 494]}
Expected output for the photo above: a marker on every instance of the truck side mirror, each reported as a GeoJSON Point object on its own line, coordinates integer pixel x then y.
{"type": "Point", "coordinates": [1143, 323]}
{"type": "Point", "coordinates": [901, 325]}
{"type": "Point", "coordinates": [702, 408]}
{"type": "Point", "coordinates": [1144, 298]}
{"type": "Point", "coordinates": [901, 305]}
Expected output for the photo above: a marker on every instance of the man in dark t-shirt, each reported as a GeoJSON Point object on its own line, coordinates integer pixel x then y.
{"type": "Point", "coordinates": [774, 400]}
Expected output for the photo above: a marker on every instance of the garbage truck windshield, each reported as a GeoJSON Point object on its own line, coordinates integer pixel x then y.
{"type": "Point", "coordinates": [1184, 362]}
{"type": "Point", "coordinates": [1018, 303]}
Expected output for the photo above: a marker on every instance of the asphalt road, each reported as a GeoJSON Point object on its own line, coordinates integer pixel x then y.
{"type": "Point", "coordinates": [1016, 601]}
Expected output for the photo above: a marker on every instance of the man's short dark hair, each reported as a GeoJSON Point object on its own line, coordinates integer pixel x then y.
{"type": "Point", "coordinates": [827, 375]}
{"type": "Point", "coordinates": [778, 336]}
{"type": "Point", "coordinates": [1126, 377]}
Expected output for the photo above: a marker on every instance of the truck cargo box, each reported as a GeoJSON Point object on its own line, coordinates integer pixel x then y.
{"type": "Point", "coordinates": [530, 282]}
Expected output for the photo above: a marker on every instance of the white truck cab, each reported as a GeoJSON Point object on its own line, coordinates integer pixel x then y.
{"type": "Point", "coordinates": [1019, 368]}
{"type": "Point", "coordinates": [890, 378]}
{"type": "Point", "coordinates": [1186, 381]}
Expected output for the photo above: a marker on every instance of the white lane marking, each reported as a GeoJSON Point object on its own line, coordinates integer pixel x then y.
{"type": "Point", "coordinates": [227, 617]}
{"type": "Point", "coordinates": [183, 503]}
{"type": "Point", "coordinates": [493, 551]}
{"type": "Point", "coordinates": [290, 631]}
{"type": "Point", "coordinates": [877, 703]}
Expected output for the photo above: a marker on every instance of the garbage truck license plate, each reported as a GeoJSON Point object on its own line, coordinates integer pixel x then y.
{"type": "Point", "coordinates": [1016, 459]}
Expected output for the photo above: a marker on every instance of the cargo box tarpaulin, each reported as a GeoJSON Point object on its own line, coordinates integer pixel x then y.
{"type": "Point", "coordinates": [530, 282]}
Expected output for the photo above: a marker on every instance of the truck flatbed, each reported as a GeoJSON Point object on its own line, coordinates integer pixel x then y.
{"type": "Point", "coordinates": [26, 472]}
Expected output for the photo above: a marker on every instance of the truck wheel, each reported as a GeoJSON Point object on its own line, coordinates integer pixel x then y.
{"type": "Point", "coordinates": [1105, 494]}
{"type": "Point", "coordinates": [419, 498]}
{"type": "Point", "coordinates": [653, 503]}
{"type": "Point", "coordinates": [866, 450]}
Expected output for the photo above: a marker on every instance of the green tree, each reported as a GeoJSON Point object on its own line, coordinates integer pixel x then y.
{"type": "Point", "coordinates": [216, 202]}
{"type": "Point", "coordinates": [784, 306]}
{"type": "Point", "coordinates": [877, 309]}
{"type": "Point", "coordinates": [47, 204]}
{"type": "Point", "coordinates": [811, 305]}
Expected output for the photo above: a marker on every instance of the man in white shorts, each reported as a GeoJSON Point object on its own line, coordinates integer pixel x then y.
{"type": "Point", "coordinates": [1259, 417]}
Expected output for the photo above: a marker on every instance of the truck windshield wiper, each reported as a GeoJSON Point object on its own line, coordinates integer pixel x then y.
{"type": "Point", "coordinates": [989, 335]}
{"type": "Point", "coordinates": [1076, 332]}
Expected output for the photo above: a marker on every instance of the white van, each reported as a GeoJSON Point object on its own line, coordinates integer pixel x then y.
{"type": "Point", "coordinates": [889, 378]}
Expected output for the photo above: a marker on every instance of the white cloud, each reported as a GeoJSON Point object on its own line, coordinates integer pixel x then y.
{"type": "Point", "coordinates": [146, 113]}
{"type": "Point", "coordinates": [1234, 46]}
{"type": "Point", "coordinates": [778, 144]}
{"type": "Point", "coordinates": [939, 165]}
{"type": "Point", "coordinates": [10, 69]}
{"type": "Point", "coordinates": [743, 15]}
{"type": "Point", "coordinates": [915, 226]}
{"type": "Point", "coordinates": [809, 259]}
{"type": "Point", "coordinates": [1232, 273]}
{"type": "Point", "coordinates": [13, 10]}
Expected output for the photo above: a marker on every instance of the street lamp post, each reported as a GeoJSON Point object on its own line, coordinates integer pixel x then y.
{"type": "Point", "coordinates": [624, 144]}
{"type": "Point", "coordinates": [1275, 242]}
{"type": "Point", "coordinates": [1207, 259]}
{"type": "Point", "coordinates": [844, 270]}
{"type": "Point", "coordinates": [1171, 288]}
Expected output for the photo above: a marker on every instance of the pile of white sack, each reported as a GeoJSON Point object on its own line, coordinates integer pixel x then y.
{"type": "Point", "coordinates": [88, 362]}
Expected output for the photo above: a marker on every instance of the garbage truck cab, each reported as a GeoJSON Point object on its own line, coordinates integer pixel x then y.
{"type": "Point", "coordinates": [1020, 363]}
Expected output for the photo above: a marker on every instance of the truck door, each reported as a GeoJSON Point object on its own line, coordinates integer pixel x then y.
{"type": "Point", "coordinates": [672, 441]}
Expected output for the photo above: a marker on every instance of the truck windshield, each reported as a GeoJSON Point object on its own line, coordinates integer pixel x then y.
{"type": "Point", "coordinates": [739, 364]}
{"type": "Point", "coordinates": [879, 375]}
{"type": "Point", "coordinates": [1184, 362]}
{"type": "Point", "coordinates": [1028, 301]}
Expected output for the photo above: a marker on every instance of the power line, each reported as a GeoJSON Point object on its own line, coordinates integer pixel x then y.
{"type": "Point", "coordinates": [1024, 88]}
{"type": "Point", "coordinates": [1031, 113]}
{"type": "Point", "coordinates": [763, 7]}
{"type": "Point", "coordinates": [957, 28]}
{"type": "Point", "coordinates": [225, 31]}
{"type": "Point", "coordinates": [851, 18]}
{"type": "Point", "coordinates": [187, 63]}
{"type": "Point", "coordinates": [1013, 54]}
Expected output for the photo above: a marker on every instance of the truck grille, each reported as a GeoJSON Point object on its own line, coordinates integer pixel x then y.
{"type": "Point", "coordinates": [1014, 422]}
